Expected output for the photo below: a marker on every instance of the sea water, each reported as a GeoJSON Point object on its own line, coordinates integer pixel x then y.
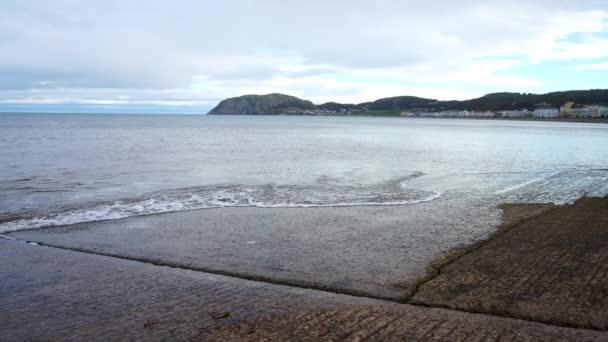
{"type": "Point", "coordinates": [58, 169]}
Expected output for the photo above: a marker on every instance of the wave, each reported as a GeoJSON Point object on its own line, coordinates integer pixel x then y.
{"type": "Point", "coordinates": [390, 193]}
{"type": "Point", "coordinates": [518, 186]}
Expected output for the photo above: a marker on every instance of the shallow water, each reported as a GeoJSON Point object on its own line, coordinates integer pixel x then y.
{"type": "Point", "coordinates": [59, 169]}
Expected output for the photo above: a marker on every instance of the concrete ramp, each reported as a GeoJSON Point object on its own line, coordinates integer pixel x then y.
{"type": "Point", "coordinates": [552, 269]}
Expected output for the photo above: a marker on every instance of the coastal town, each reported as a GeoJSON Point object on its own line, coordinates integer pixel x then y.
{"type": "Point", "coordinates": [574, 105]}
{"type": "Point", "coordinates": [540, 111]}
{"type": "Point", "coordinates": [569, 110]}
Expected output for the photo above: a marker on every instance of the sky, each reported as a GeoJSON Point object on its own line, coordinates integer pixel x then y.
{"type": "Point", "coordinates": [184, 56]}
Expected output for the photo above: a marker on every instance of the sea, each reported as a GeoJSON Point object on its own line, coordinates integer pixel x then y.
{"type": "Point", "coordinates": [60, 169]}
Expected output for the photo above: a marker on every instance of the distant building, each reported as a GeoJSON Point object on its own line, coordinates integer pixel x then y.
{"type": "Point", "coordinates": [545, 110]}
{"type": "Point", "coordinates": [486, 114]}
{"type": "Point", "coordinates": [593, 111]}
{"type": "Point", "coordinates": [449, 114]}
{"type": "Point", "coordinates": [579, 111]}
{"type": "Point", "coordinates": [599, 111]}
{"type": "Point", "coordinates": [408, 114]}
{"type": "Point", "coordinates": [519, 113]}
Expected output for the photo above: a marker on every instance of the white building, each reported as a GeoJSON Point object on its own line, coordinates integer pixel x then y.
{"type": "Point", "coordinates": [486, 114]}
{"type": "Point", "coordinates": [448, 113]}
{"type": "Point", "coordinates": [520, 113]}
{"type": "Point", "coordinates": [596, 111]}
{"type": "Point", "coordinates": [593, 111]}
{"type": "Point", "coordinates": [545, 110]}
{"type": "Point", "coordinates": [442, 114]}
{"type": "Point", "coordinates": [581, 112]}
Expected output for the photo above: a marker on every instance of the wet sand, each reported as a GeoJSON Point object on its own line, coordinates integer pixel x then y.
{"type": "Point", "coordinates": [541, 276]}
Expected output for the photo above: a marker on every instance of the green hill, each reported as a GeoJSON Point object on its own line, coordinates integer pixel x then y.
{"type": "Point", "coordinates": [262, 104]}
{"type": "Point", "coordinates": [285, 104]}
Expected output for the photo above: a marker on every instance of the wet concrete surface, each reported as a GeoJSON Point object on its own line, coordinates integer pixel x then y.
{"type": "Point", "coordinates": [394, 323]}
{"type": "Point", "coordinates": [552, 268]}
{"type": "Point", "coordinates": [372, 251]}
{"type": "Point", "coordinates": [60, 295]}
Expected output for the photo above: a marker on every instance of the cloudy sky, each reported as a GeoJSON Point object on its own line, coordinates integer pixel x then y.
{"type": "Point", "coordinates": [185, 55]}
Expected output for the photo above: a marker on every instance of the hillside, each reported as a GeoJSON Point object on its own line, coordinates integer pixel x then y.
{"type": "Point", "coordinates": [262, 104]}
{"type": "Point", "coordinates": [285, 104]}
{"type": "Point", "coordinates": [494, 102]}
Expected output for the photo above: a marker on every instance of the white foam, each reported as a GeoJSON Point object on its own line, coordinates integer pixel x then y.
{"type": "Point", "coordinates": [218, 198]}
{"type": "Point", "coordinates": [518, 186]}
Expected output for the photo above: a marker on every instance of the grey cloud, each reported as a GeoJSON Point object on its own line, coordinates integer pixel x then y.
{"type": "Point", "coordinates": [244, 72]}
{"type": "Point", "coordinates": [159, 45]}
{"type": "Point", "coordinates": [313, 71]}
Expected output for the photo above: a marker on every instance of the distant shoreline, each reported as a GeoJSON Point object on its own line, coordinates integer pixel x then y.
{"type": "Point", "coordinates": [575, 120]}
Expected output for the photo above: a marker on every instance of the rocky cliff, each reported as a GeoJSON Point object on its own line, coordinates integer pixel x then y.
{"type": "Point", "coordinates": [263, 104]}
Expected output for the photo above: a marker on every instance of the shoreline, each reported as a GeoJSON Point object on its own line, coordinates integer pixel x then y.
{"type": "Point", "coordinates": [567, 120]}
{"type": "Point", "coordinates": [570, 120]}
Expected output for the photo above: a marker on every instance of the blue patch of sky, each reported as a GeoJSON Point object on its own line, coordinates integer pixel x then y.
{"type": "Point", "coordinates": [499, 58]}
{"type": "Point", "coordinates": [562, 75]}
{"type": "Point", "coordinates": [550, 75]}
{"type": "Point", "coordinates": [603, 35]}
{"type": "Point", "coordinates": [576, 37]}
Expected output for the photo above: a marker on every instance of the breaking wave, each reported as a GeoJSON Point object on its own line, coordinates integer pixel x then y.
{"type": "Point", "coordinates": [267, 196]}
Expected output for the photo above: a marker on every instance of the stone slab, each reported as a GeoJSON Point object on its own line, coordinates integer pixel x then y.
{"type": "Point", "coordinates": [394, 323]}
{"type": "Point", "coordinates": [552, 268]}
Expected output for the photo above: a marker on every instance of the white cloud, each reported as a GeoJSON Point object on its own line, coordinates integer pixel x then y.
{"type": "Point", "coordinates": [190, 51]}
{"type": "Point", "coordinates": [595, 66]}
